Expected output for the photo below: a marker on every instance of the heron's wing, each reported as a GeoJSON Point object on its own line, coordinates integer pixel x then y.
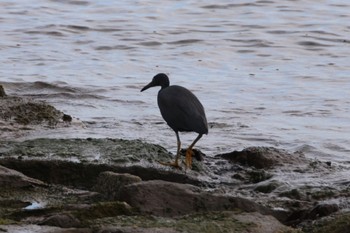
{"type": "Point", "coordinates": [182, 110]}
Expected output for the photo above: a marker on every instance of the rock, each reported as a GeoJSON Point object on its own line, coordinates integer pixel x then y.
{"type": "Point", "coordinates": [164, 198]}
{"type": "Point", "coordinates": [180, 202]}
{"type": "Point", "coordinates": [136, 230]}
{"type": "Point", "coordinates": [316, 212]}
{"type": "Point", "coordinates": [262, 157]}
{"type": "Point", "coordinates": [209, 222]}
{"type": "Point", "coordinates": [67, 118]}
{"type": "Point", "coordinates": [197, 154]}
{"type": "Point", "coordinates": [61, 220]}
{"type": "Point", "coordinates": [2, 91]}
{"type": "Point", "coordinates": [109, 183]}
{"type": "Point", "coordinates": [83, 175]}
{"type": "Point", "coordinates": [41, 229]}
{"type": "Point", "coordinates": [293, 194]}
{"type": "Point", "coordinates": [13, 179]}
{"type": "Point", "coordinates": [336, 223]}
{"type": "Point", "coordinates": [257, 176]}
{"type": "Point", "coordinates": [26, 111]}
{"type": "Point", "coordinates": [322, 210]}
{"type": "Point", "coordinates": [267, 186]}
{"type": "Point", "coordinates": [263, 223]}
{"type": "Point", "coordinates": [104, 210]}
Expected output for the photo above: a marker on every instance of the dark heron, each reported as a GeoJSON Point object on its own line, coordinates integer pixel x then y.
{"type": "Point", "coordinates": [182, 111]}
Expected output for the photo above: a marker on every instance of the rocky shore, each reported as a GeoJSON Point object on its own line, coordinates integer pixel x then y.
{"type": "Point", "coordinates": [115, 185]}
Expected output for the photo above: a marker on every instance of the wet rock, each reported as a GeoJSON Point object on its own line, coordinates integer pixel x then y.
{"type": "Point", "coordinates": [84, 175]}
{"type": "Point", "coordinates": [172, 199]}
{"type": "Point", "coordinates": [62, 220]}
{"type": "Point", "coordinates": [78, 162]}
{"type": "Point", "coordinates": [99, 151]}
{"type": "Point", "coordinates": [109, 183]}
{"type": "Point", "coordinates": [250, 175]}
{"type": "Point", "coordinates": [26, 111]}
{"type": "Point", "coordinates": [262, 157]}
{"type": "Point", "coordinates": [13, 179]}
{"type": "Point", "coordinates": [74, 167]}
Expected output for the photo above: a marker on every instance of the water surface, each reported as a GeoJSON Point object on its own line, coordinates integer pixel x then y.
{"type": "Point", "coordinates": [270, 73]}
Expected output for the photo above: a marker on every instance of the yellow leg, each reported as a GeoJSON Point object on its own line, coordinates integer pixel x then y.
{"type": "Point", "coordinates": [189, 152]}
{"type": "Point", "coordinates": [176, 163]}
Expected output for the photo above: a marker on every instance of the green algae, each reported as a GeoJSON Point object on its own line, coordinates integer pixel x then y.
{"type": "Point", "coordinates": [339, 223]}
{"type": "Point", "coordinates": [200, 222]}
{"type": "Point", "coordinates": [6, 221]}
{"type": "Point", "coordinates": [100, 151]}
{"type": "Point", "coordinates": [26, 111]}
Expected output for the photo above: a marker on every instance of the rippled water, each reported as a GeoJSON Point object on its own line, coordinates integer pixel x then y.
{"type": "Point", "coordinates": [272, 73]}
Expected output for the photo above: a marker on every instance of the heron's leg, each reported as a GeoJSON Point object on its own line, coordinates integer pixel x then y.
{"type": "Point", "coordinates": [189, 152]}
{"type": "Point", "coordinates": [176, 163]}
{"type": "Point", "coordinates": [178, 149]}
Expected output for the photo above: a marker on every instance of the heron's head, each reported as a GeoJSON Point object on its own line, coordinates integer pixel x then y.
{"type": "Point", "coordinates": [158, 80]}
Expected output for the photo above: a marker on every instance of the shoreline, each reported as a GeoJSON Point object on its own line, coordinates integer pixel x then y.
{"type": "Point", "coordinates": [116, 185]}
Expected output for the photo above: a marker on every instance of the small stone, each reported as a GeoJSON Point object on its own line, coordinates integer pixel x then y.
{"type": "Point", "coordinates": [67, 118]}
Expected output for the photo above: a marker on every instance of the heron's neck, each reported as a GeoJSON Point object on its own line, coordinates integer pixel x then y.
{"type": "Point", "coordinates": [165, 84]}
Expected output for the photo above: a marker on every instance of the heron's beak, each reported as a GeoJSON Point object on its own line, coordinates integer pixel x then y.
{"type": "Point", "coordinates": [151, 84]}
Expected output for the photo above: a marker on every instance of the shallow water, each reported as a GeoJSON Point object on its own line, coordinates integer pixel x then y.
{"type": "Point", "coordinates": [271, 73]}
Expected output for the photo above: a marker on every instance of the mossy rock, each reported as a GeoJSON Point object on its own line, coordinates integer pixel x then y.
{"type": "Point", "coordinates": [208, 222]}
{"type": "Point", "coordinates": [26, 111]}
{"type": "Point", "coordinates": [338, 223]}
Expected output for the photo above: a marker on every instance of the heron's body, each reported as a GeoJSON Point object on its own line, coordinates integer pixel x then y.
{"type": "Point", "coordinates": [181, 110]}
{"type": "Point", "coordinates": [185, 116]}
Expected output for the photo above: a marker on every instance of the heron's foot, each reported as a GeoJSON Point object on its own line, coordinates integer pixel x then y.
{"type": "Point", "coordinates": [174, 164]}
{"type": "Point", "coordinates": [189, 154]}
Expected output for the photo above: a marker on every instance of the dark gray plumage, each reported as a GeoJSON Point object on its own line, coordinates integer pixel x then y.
{"type": "Point", "coordinates": [182, 111]}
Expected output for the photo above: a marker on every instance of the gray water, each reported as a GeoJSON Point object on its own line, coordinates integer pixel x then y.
{"type": "Point", "coordinates": [269, 73]}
